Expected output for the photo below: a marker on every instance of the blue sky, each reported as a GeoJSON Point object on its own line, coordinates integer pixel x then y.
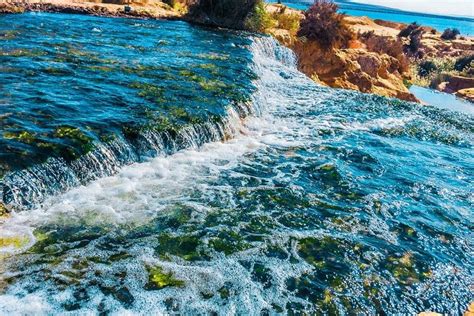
{"type": "Point", "coordinates": [442, 7]}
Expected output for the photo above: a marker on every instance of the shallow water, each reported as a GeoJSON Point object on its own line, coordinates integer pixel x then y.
{"type": "Point", "coordinates": [442, 100]}
{"type": "Point", "coordinates": [318, 201]}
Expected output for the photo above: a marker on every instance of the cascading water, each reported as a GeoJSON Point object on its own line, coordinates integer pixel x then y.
{"type": "Point", "coordinates": [78, 152]}
{"type": "Point", "coordinates": [322, 201]}
{"type": "Point", "coordinates": [26, 188]}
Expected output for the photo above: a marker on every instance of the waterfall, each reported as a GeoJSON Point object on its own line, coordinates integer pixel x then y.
{"type": "Point", "coordinates": [266, 47]}
{"type": "Point", "coordinates": [27, 188]}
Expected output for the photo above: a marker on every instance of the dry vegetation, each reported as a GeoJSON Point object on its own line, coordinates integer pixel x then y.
{"type": "Point", "coordinates": [322, 23]}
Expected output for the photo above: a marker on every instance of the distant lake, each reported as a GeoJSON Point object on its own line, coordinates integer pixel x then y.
{"type": "Point", "coordinates": [440, 23]}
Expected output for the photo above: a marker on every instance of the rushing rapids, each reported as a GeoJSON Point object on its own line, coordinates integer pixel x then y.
{"type": "Point", "coordinates": [294, 199]}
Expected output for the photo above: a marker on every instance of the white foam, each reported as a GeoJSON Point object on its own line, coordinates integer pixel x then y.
{"type": "Point", "coordinates": [139, 190]}
{"type": "Point", "coordinates": [30, 304]}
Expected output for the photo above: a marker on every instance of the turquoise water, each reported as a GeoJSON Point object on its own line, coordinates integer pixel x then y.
{"type": "Point", "coordinates": [109, 89]}
{"type": "Point", "coordinates": [310, 199]}
{"type": "Point", "coordinates": [464, 24]}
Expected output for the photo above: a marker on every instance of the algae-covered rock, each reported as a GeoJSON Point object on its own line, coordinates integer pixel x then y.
{"type": "Point", "coordinates": [228, 242]}
{"type": "Point", "coordinates": [159, 279]}
{"type": "Point", "coordinates": [185, 247]}
{"type": "Point", "coordinates": [12, 242]}
{"type": "Point", "coordinates": [4, 210]}
{"type": "Point", "coordinates": [408, 269]}
{"type": "Point", "coordinates": [24, 136]}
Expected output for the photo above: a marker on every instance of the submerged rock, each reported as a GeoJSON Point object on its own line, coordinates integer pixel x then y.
{"type": "Point", "coordinates": [159, 279]}
{"type": "Point", "coordinates": [4, 210]}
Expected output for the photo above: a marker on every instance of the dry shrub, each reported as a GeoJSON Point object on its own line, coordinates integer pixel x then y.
{"type": "Point", "coordinates": [414, 32]}
{"type": "Point", "coordinates": [322, 24]}
{"type": "Point", "coordinates": [450, 34]}
{"type": "Point", "coordinates": [178, 5]}
{"type": "Point", "coordinates": [413, 48]}
{"type": "Point", "coordinates": [426, 67]}
{"type": "Point", "coordinates": [407, 31]}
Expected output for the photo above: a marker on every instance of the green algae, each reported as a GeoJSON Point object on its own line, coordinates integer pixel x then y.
{"type": "Point", "coordinates": [119, 256]}
{"type": "Point", "coordinates": [214, 56]}
{"type": "Point", "coordinates": [212, 85]}
{"type": "Point", "coordinates": [224, 292]}
{"type": "Point", "coordinates": [177, 216]}
{"type": "Point", "coordinates": [208, 66]}
{"type": "Point", "coordinates": [83, 143]}
{"type": "Point", "coordinates": [183, 246]}
{"type": "Point", "coordinates": [262, 274]}
{"type": "Point", "coordinates": [57, 71]}
{"type": "Point", "coordinates": [180, 113]}
{"type": "Point", "coordinates": [8, 35]}
{"type": "Point", "coordinates": [23, 136]}
{"type": "Point", "coordinates": [101, 68]}
{"type": "Point", "coordinates": [321, 252]}
{"type": "Point", "coordinates": [4, 211]}
{"type": "Point", "coordinates": [149, 91]}
{"type": "Point", "coordinates": [22, 53]}
{"type": "Point", "coordinates": [407, 269]}
{"type": "Point", "coordinates": [228, 242]}
{"type": "Point", "coordinates": [259, 225]}
{"type": "Point", "coordinates": [159, 279]}
{"type": "Point", "coordinates": [16, 242]}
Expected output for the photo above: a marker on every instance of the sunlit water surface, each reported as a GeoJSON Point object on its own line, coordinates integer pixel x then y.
{"type": "Point", "coordinates": [301, 199]}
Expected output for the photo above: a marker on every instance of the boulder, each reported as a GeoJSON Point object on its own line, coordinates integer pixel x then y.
{"type": "Point", "coordinates": [452, 83]}
{"type": "Point", "coordinates": [356, 69]}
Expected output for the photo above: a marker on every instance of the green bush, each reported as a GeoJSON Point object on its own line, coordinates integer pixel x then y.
{"type": "Point", "coordinates": [426, 67]}
{"type": "Point", "coordinates": [464, 63]}
{"type": "Point", "coordinates": [224, 13]}
{"type": "Point", "coordinates": [259, 19]}
{"type": "Point", "coordinates": [287, 21]}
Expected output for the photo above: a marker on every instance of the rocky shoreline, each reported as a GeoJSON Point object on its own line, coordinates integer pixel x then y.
{"type": "Point", "coordinates": [90, 8]}
{"type": "Point", "coordinates": [375, 59]}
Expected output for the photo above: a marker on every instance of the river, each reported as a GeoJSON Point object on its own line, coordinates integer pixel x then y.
{"type": "Point", "coordinates": [157, 167]}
